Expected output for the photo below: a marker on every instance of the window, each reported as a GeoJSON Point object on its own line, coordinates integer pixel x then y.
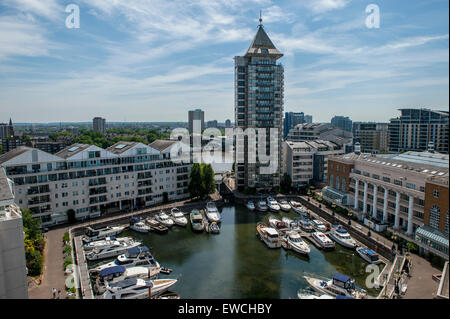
{"type": "Point", "coordinates": [375, 176]}
{"type": "Point", "coordinates": [386, 179]}
{"type": "Point", "coordinates": [436, 193]}
{"type": "Point", "coordinates": [435, 215]}
{"type": "Point", "coordinates": [446, 223]}
{"type": "Point", "coordinates": [409, 185]}
{"type": "Point", "coordinates": [397, 182]}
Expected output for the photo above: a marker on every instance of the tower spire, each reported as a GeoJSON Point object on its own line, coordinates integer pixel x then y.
{"type": "Point", "coordinates": [260, 18]}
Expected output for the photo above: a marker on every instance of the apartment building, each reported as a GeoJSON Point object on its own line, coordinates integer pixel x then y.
{"type": "Point", "coordinates": [342, 122]}
{"type": "Point", "coordinates": [416, 128]}
{"type": "Point", "coordinates": [373, 137]}
{"type": "Point", "coordinates": [99, 125]}
{"type": "Point", "coordinates": [13, 271]}
{"type": "Point", "coordinates": [319, 131]}
{"type": "Point", "coordinates": [292, 119]}
{"type": "Point", "coordinates": [307, 161]}
{"type": "Point", "coordinates": [259, 101]}
{"type": "Point", "coordinates": [94, 181]}
{"type": "Point", "coordinates": [408, 193]}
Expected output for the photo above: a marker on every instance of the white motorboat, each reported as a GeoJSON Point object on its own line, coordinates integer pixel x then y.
{"type": "Point", "coordinates": [112, 251]}
{"type": "Point", "coordinates": [137, 288]}
{"type": "Point", "coordinates": [214, 228]}
{"type": "Point", "coordinates": [339, 285]}
{"type": "Point", "coordinates": [273, 205]}
{"type": "Point", "coordinates": [311, 294]}
{"type": "Point", "coordinates": [250, 205]}
{"type": "Point", "coordinates": [164, 219]}
{"type": "Point", "coordinates": [178, 217]}
{"type": "Point", "coordinates": [92, 234]}
{"type": "Point", "coordinates": [323, 241]}
{"type": "Point", "coordinates": [105, 243]}
{"type": "Point", "coordinates": [261, 206]}
{"type": "Point", "coordinates": [140, 227]}
{"type": "Point", "coordinates": [289, 222]}
{"type": "Point", "coordinates": [318, 225]}
{"type": "Point", "coordinates": [368, 255]}
{"type": "Point", "coordinates": [340, 235]}
{"type": "Point", "coordinates": [138, 256]}
{"type": "Point", "coordinates": [298, 208]}
{"type": "Point", "coordinates": [305, 225]}
{"type": "Point", "coordinates": [212, 213]}
{"type": "Point", "coordinates": [119, 273]}
{"type": "Point", "coordinates": [269, 236]}
{"type": "Point", "coordinates": [284, 205]}
{"type": "Point", "coordinates": [197, 221]}
{"type": "Point", "coordinates": [295, 242]}
{"type": "Point", "coordinates": [278, 225]}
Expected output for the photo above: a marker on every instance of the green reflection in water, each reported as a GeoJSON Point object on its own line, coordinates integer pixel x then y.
{"type": "Point", "coordinates": [236, 264]}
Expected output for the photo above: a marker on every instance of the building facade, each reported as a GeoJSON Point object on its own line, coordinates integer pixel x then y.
{"type": "Point", "coordinates": [373, 137]}
{"type": "Point", "coordinates": [6, 130]}
{"type": "Point", "coordinates": [94, 181]}
{"type": "Point", "coordinates": [319, 131]}
{"type": "Point", "coordinates": [307, 161]}
{"type": "Point", "coordinates": [99, 124]}
{"type": "Point", "coordinates": [308, 119]}
{"type": "Point", "coordinates": [196, 115]}
{"type": "Point", "coordinates": [405, 192]}
{"type": "Point", "coordinates": [416, 128]}
{"type": "Point", "coordinates": [13, 271]}
{"type": "Point", "coordinates": [292, 119]}
{"type": "Point", "coordinates": [342, 122]}
{"type": "Point", "coordinates": [259, 95]}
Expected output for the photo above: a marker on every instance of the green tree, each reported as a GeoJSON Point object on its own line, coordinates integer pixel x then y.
{"type": "Point", "coordinates": [31, 225]}
{"type": "Point", "coordinates": [165, 197]}
{"type": "Point", "coordinates": [208, 185]}
{"type": "Point", "coordinates": [286, 183]}
{"type": "Point", "coordinates": [195, 181]}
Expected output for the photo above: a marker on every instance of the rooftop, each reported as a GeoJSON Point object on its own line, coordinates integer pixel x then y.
{"type": "Point", "coordinates": [262, 45]}
{"type": "Point", "coordinates": [72, 150]}
{"type": "Point", "coordinates": [6, 192]}
{"type": "Point", "coordinates": [161, 145]}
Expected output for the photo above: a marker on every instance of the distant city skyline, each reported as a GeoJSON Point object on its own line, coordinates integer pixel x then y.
{"type": "Point", "coordinates": [134, 61]}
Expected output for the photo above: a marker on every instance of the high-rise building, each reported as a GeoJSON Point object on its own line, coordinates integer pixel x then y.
{"type": "Point", "coordinates": [342, 122]}
{"type": "Point", "coordinates": [416, 128]}
{"type": "Point", "coordinates": [291, 119]}
{"type": "Point", "coordinates": [196, 115]}
{"type": "Point", "coordinates": [308, 119]}
{"type": "Point", "coordinates": [99, 124]}
{"type": "Point", "coordinates": [228, 123]}
{"type": "Point", "coordinates": [6, 130]}
{"type": "Point", "coordinates": [259, 87]}
{"type": "Point", "coordinates": [13, 270]}
{"type": "Point", "coordinates": [373, 137]}
{"type": "Point", "coordinates": [212, 124]}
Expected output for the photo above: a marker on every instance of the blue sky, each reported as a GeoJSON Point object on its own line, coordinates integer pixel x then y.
{"type": "Point", "coordinates": [137, 60]}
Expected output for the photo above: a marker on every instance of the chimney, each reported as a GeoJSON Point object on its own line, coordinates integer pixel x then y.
{"type": "Point", "coordinates": [431, 146]}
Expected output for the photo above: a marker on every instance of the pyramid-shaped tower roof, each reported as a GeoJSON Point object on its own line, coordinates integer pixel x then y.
{"type": "Point", "coordinates": [262, 46]}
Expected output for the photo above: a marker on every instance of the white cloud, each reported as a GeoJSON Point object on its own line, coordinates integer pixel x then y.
{"type": "Point", "coordinates": [321, 6]}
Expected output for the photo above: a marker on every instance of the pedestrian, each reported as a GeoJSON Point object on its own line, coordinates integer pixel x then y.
{"type": "Point", "coordinates": [54, 292]}
{"type": "Point", "coordinates": [59, 294]}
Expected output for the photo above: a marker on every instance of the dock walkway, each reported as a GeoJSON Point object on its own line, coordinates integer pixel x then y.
{"type": "Point", "coordinates": [84, 279]}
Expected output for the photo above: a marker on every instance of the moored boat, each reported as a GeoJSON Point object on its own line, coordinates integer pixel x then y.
{"type": "Point", "coordinates": [93, 234]}
{"type": "Point", "coordinates": [340, 235]}
{"type": "Point", "coordinates": [284, 205]}
{"type": "Point", "coordinates": [214, 228]}
{"type": "Point", "coordinates": [323, 241]}
{"type": "Point", "coordinates": [104, 243]}
{"type": "Point", "coordinates": [164, 219]}
{"type": "Point", "coordinates": [305, 225]}
{"type": "Point", "coordinates": [312, 294]}
{"type": "Point", "coordinates": [295, 242]}
{"type": "Point", "coordinates": [112, 251]}
{"type": "Point", "coordinates": [178, 217]}
{"type": "Point", "coordinates": [212, 213]}
{"type": "Point", "coordinates": [281, 227]}
{"type": "Point", "coordinates": [140, 227]}
{"type": "Point", "coordinates": [339, 285]}
{"type": "Point", "coordinates": [269, 236]}
{"type": "Point", "coordinates": [272, 204]}
{"type": "Point", "coordinates": [261, 206]}
{"type": "Point", "coordinates": [319, 225]}
{"type": "Point", "coordinates": [137, 288]}
{"type": "Point", "coordinates": [368, 255]}
{"type": "Point", "coordinates": [196, 221]}
{"type": "Point", "coordinates": [250, 205]}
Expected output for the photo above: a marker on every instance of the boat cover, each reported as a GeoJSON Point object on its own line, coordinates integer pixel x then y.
{"type": "Point", "coordinates": [369, 252]}
{"type": "Point", "coordinates": [137, 250]}
{"type": "Point", "coordinates": [343, 297]}
{"type": "Point", "coordinates": [341, 230]}
{"type": "Point", "coordinates": [341, 278]}
{"type": "Point", "coordinates": [112, 270]}
{"type": "Point", "coordinates": [124, 283]}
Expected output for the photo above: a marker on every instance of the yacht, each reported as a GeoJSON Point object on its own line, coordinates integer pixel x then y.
{"type": "Point", "coordinates": [323, 241]}
{"type": "Point", "coordinates": [311, 294]}
{"type": "Point", "coordinates": [105, 243]}
{"type": "Point", "coordinates": [299, 209]}
{"type": "Point", "coordinates": [284, 205]}
{"type": "Point", "coordinates": [112, 251]}
{"type": "Point", "coordinates": [212, 213]}
{"type": "Point", "coordinates": [137, 288]}
{"type": "Point", "coordinates": [278, 225]}
{"type": "Point", "coordinates": [101, 233]}
{"type": "Point", "coordinates": [178, 217]}
{"type": "Point", "coordinates": [250, 205]}
{"type": "Point", "coordinates": [319, 226]}
{"type": "Point", "coordinates": [140, 227]}
{"type": "Point", "coordinates": [164, 219]}
{"type": "Point", "coordinates": [138, 256]}
{"type": "Point", "coordinates": [269, 236]}
{"type": "Point", "coordinates": [273, 205]}
{"type": "Point", "coordinates": [368, 255]}
{"type": "Point", "coordinates": [289, 222]}
{"type": "Point", "coordinates": [295, 242]}
{"type": "Point", "coordinates": [261, 206]}
{"type": "Point", "coordinates": [338, 285]}
{"type": "Point", "coordinates": [340, 235]}
{"type": "Point", "coordinates": [197, 221]}
{"type": "Point", "coordinates": [305, 225]}
{"type": "Point", "coordinates": [119, 273]}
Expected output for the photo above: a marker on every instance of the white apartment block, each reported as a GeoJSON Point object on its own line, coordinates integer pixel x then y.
{"type": "Point", "coordinates": [94, 181]}
{"type": "Point", "coordinates": [13, 274]}
{"type": "Point", "coordinates": [308, 160]}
